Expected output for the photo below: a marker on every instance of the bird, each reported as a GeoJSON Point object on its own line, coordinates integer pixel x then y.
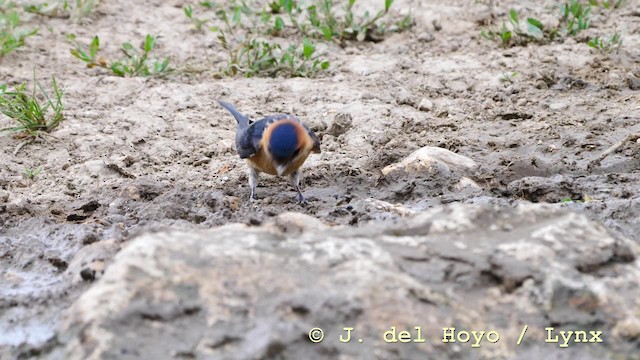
{"type": "Point", "coordinates": [275, 145]}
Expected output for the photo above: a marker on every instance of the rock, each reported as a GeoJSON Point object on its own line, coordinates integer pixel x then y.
{"type": "Point", "coordinates": [404, 97]}
{"type": "Point", "coordinates": [437, 26]}
{"type": "Point", "coordinates": [143, 191]}
{"type": "Point", "coordinates": [292, 222]}
{"type": "Point", "coordinates": [37, 256]}
{"type": "Point", "coordinates": [95, 168]}
{"type": "Point", "coordinates": [573, 303]}
{"type": "Point", "coordinates": [425, 105]}
{"type": "Point", "coordinates": [466, 183]}
{"type": "Point", "coordinates": [442, 112]}
{"type": "Point", "coordinates": [543, 189]}
{"type": "Point", "coordinates": [81, 210]}
{"type": "Point", "coordinates": [341, 124]}
{"type": "Point", "coordinates": [202, 161]}
{"type": "Point", "coordinates": [633, 82]}
{"type": "Point", "coordinates": [558, 106]}
{"type": "Point", "coordinates": [428, 156]}
{"type": "Point", "coordinates": [255, 292]}
{"type": "Point", "coordinates": [117, 230]}
{"type": "Point", "coordinates": [364, 209]}
{"type": "Point", "coordinates": [426, 37]}
{"type": "Point", "coordinates": [225, 145]}
{"type": "Point", "coordinates": [374, 204]}
{"type": "Point", "coordinates": [318, 125]}
{"type": "Point", "coordinates": [628, 328]}
{"type": "Point", "coordinates": [4, 196]}
{"type": "Point", "coordinates": [426, 173]}
{"type": "Point", "coordinates": [88, 264]}
{"type": "Point", "coordinates": [540, 84]}
{"type": "Point", "coordinates": [232, 202]}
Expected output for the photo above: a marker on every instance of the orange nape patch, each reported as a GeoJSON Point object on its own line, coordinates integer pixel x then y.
{"type": "Point", "coordinates": [262, 160]}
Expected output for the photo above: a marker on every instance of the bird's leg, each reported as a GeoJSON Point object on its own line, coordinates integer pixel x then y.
{"type": "Point", "coordinates": [253, 182]}
{"type": "Point", "coordinates": [295, 181]}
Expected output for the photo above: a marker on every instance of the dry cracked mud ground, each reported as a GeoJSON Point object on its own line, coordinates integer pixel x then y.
{"type": "Point", "coordinates": [114, 250]}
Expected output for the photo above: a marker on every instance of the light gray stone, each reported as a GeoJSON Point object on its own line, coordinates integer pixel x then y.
{"type": "Point", "coordinates": [241, 292]}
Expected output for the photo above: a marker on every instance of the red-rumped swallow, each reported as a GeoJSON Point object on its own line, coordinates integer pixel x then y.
{"type": "Point", "coordinates": [276, 145]}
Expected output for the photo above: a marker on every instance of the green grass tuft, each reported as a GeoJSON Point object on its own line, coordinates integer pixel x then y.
{"type": "Point", "coordinates": [34, 115]}
{"type": "Point", "coordinates": [254, 57]}
{"type": "Point", "coordinates": [576, 16]}
{"type": "Point", "coordinates": [508, 76]}
{"type": "Point", "coordinates": [606, 45]}
{"type": "Point", "coordinates": [31, 173]}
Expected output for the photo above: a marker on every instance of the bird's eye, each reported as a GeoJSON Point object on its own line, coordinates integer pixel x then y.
{"type": "Point", "coordinates": [295, 153]}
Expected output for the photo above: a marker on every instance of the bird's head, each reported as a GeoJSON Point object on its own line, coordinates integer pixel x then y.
{"type": "Point", "coordinates": [288, 142]}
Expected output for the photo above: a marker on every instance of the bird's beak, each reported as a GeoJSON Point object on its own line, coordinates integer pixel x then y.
{"type": "Point", "coordinates": [280, 169]}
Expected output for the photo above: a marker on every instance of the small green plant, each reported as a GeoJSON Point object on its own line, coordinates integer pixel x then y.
{"type": "Point", "coordinates": [508, 76]}
{"type": "Point", "coordinates": [325, 22]}
{"type": "Point", "coordinates": [282, 6]}
{"type": "Point", "coordinates": [135, 63]}
{"type": "Point", "coordinates": [502, 35]}
{"type": "Point", "coordinates": [63, 8]}
{"type": "Point", "coordinates": [576, 16]}
{"type": "Point", "coordinates": [254, 57]}
{"type": "Point", "coordinates": [197, 23]}
{"type": "Point", "coordinates": [233, 14]}
{"type": "Point", "coordinates": [615, 4]}
{"type": "Point", "coordinates": [607, 45]}
{"type": "Point", "coordinates": [302, 62]}
{"type": "Point", "coordinates": [278, 26]}
{"type": "Point", "coordinates": [31, 173]}
{"type": "Point", "coordinates": [290, 8]}
{"type": "Point", "coordinates": [35, 114]}
{"type": "Point", "coordinates": [321, 19]}
{"type": "Point", "coordinates": [11, 35]}
{"type": "Point", "coordinates": [514, 34]}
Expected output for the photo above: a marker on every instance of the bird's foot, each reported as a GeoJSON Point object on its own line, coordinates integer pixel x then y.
{"type": "Point", "coordinates": [301, 199]}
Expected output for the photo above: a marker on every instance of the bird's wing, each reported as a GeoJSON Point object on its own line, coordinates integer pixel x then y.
{"type": "Point", "coordinates": [249, 141]}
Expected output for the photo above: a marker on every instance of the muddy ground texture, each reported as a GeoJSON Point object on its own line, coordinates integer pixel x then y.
{"type": "Point", "coordinates": [140, 155]}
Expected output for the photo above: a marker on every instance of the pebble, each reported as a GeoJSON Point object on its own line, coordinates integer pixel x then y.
{"type": "Point", "coordinates": [558, 106]}
{"type": "Point", "coordinates": [425, 105]}
{"type": "Point", "coordinates": [426, 37]}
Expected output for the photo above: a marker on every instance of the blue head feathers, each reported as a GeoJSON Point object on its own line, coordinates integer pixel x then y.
{"type": "Point", "coordinates": [283, 143]}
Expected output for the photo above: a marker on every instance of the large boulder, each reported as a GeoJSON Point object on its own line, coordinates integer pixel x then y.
{"type": "Point", "coordinates": [242, 292]}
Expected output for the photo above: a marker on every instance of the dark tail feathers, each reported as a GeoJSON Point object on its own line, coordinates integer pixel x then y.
{"type": "Point", "coordinates": [240, 118]}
